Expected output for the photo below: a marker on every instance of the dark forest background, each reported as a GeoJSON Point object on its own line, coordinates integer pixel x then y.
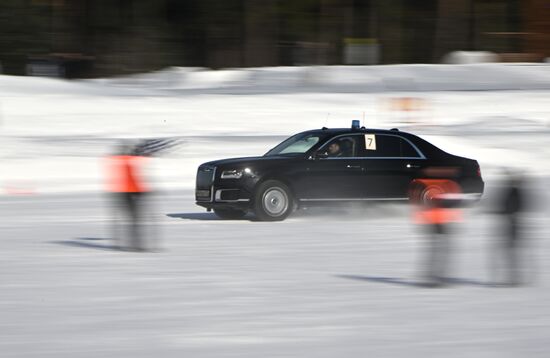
{"type": "Point", "coordinates": [126, 36]}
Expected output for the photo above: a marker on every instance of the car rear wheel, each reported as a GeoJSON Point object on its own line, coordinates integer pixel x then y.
{"type": "Point", "coordinates": [424, 191]}
{"type": "Point", "coordinates": [273, 201]}
{"type": "Point", "coordinates": [229, 214]}
{"type": "Point", "coordinates": [429, 193]}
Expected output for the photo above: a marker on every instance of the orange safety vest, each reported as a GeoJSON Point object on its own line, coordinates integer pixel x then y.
{"type": "Point", "coordinates": [435, 215]}
{"type": "Point", "coordinates": [124, 174]}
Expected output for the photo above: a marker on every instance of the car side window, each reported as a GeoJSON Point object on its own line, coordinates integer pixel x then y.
{"type": "Point", "coordinates": [407, 150]}
{"type": "Point", "coordinates": [390, 146]}
{"type": "Point", "coordinates": [344, 147]}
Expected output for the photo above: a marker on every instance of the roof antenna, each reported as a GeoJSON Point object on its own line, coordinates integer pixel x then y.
{"type": "Point", "coordinates": [326, 120]}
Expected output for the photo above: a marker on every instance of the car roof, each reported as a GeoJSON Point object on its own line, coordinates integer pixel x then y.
{"type": "Point", "coordinates": [423, 145]}
{"type": "Point", "coordinates": [339, 131]}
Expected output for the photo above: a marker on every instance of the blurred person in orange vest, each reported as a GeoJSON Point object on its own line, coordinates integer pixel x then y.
{"type": "Point", "coordinates": [126, 185]}
{"type": "Point", "coordinates": [437, 204]}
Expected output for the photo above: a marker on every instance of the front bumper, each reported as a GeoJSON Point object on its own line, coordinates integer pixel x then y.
{"type": "Point", "coordinates": [223, 198]}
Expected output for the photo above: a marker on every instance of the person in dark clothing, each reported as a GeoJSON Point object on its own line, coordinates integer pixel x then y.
{"type": "Point", "coordinates": [511, 245]}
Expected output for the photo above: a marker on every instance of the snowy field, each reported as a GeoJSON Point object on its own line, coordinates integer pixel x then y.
{"type": "Point", "coordinates": [324, 283]}
{"type": "Point", "coordinates": [55, 132]}
{"type": "Point", "coordinates": [320, 284]}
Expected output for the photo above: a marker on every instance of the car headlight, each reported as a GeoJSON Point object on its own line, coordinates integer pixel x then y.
{"type": "Point", "coordinates": [236, 173]}
{"type": "Point", "coordinates": [232, 174]}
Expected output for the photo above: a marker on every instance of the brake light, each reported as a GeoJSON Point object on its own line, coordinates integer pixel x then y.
{"type": "Point", "coordinates": [478, 171]}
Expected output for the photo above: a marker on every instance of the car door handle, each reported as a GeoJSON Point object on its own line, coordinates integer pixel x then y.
{"type": "Point", "coordinates": [412, 166]}
{"type": "Point", "coordinates": [353, 166]}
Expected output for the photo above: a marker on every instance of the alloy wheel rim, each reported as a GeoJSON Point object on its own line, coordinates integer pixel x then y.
{"type": "Point", "coordinates": [275, 202]}
{"type": "Point", "coordinates": [430, 193]}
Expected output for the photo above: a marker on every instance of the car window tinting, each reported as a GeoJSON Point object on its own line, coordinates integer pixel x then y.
{"type": "Point", "coordinates": [388, 146]}
{"type": "Point", "coordinates": [407, 149]}
{"type": "Point", "coordinates": [300, 143]}
{"type": "Point", "coordinates": [348, 146]}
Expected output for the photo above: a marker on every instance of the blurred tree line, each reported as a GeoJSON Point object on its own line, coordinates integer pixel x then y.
{"type": "Point", "coordinates": [124, 36]}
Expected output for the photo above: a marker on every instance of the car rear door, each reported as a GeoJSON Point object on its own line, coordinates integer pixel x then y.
{"type": "Point", "coordinates": [392, 162]}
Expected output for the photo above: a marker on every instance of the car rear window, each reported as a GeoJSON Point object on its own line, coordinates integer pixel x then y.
{"type": "Point", "coordinates": [390, 146]}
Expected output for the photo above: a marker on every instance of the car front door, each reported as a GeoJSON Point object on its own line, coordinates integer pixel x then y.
{"type": "Point", "coordinates": [334, 174]}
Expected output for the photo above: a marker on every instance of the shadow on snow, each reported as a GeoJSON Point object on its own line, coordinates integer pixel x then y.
{"type": "Point", "coordinates": [410, 283]}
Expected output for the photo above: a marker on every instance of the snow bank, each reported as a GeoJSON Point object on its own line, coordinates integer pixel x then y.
{"type": "Point", "coordinates": [54, 132]}
{"type": "Point", "coordinates": [468, 57]}
{"type": "Point", "coordinates": [332, 79]}
{"type": "Point", "coordinates": [467, 77]}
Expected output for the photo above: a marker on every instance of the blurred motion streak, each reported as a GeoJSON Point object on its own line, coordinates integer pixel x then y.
{"type": "Point", "coordinates": [436, 207]}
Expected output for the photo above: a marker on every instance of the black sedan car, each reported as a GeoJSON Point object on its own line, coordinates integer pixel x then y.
{"type": "Point", "coordinates": [329, 166]}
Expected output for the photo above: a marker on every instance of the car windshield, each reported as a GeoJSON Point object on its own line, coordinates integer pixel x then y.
{"type": "Point", "coordinates": [297, 144]}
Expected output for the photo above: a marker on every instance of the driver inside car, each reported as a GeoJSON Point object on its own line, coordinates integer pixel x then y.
{"type": "Point", "coordinates": [334, 150]}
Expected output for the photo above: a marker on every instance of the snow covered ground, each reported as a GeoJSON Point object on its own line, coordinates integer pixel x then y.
{"type": "Point", "coordinates": [324, 283]}
{"type": "Point", "coordinates": [54, 132]}
{"type": "Point", "coordinates": [320, 284]}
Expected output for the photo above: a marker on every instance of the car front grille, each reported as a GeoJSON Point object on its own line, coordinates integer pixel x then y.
{"type": "Point", "coordinates": [205, 179]}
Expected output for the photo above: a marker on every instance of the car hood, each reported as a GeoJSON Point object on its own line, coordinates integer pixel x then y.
{"type": "Point", "coordinates": [242, 162]}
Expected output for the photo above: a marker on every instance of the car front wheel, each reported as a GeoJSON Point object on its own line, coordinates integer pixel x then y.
{"type": "Point", "coordinates": [273, 201]}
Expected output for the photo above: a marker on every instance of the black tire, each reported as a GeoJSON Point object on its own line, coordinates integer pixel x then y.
{"type": "Point", "coordinates": [273, 201]}
{"type": "Point", "coordinates": [415, 192]}
{"type": "Point", "coordinates": [429, 193]}
{"type": "Point", "coordinates": [423, 194]}
{"type": "Point", "coordinates": [229, 214]}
